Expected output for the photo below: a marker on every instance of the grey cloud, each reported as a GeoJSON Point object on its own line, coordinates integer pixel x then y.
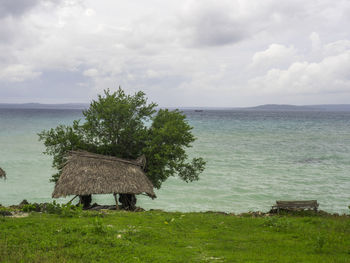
{"type": "Point", "coordinates": [16, 7]}
{"type": "Point", "coordinates": [66, 86]}
{"type": "Point", "coordinates": [227, 22]}
{"type": "Point", "coordinates": [214, 27]}
{"type": "Point", "coordinates": [11, 29]}
{"type": "Point", "coordinates": [218, 23]}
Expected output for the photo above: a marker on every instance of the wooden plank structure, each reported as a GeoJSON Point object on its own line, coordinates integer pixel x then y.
{"type": "Point", "coordinates": [2, 173]}
{"type": "Point", "coordinates": [296, 205]}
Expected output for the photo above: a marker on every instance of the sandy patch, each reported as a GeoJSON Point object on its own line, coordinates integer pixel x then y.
{"type": "Point", "coordinates": [19, 215]}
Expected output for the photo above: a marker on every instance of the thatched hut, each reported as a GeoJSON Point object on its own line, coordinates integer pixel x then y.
{"type": "Point", "coordinates": [87, 173]}
{"type": "Point", "coordinates": [2, 173]}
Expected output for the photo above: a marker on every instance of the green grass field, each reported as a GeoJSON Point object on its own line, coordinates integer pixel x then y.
{"type": "Point", "coordinates": [156, 236]}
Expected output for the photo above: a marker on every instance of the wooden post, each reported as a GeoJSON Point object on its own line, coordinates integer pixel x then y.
{"type": "Point", "coordinates": [116, 201]}
{"type": "Point", "coordinates": [72, 199]}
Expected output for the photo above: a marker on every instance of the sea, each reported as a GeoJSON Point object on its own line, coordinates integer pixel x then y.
{"type": "Point", "coordinates": [253, 158]}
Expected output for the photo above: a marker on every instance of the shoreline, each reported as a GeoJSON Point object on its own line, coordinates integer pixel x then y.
{"type": "Point", "coordinates": [25, 208]}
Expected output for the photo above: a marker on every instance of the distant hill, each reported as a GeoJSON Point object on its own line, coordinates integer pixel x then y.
{"type": "Point", "coordinates": [284, 107]}
{"type": "Point", "coordinates": [280, 107]}
{"type": "Point", "coordinates": [333, 107]}
{"type": "Point", "coordinates": [68, 106]}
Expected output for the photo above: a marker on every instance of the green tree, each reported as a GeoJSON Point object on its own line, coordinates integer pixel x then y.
{"type": "Point", "coordinates": [127, 126]}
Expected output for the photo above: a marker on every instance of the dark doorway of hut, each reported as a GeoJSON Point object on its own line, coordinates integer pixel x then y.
{"type": "Point", "coordinates": [85, 200]}
{"type": "Point", "coordinates": [128, 201]}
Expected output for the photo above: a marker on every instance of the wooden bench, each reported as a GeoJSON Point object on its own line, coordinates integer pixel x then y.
{"type": "Point", "coordinates": [296, 205]}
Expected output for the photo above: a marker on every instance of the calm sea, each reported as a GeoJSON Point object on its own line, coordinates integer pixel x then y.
{"type": "Point", "coordinates": [253, 158]}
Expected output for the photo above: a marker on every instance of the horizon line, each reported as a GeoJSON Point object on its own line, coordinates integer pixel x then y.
{"type": "Point", "coordinates": [81, 105]}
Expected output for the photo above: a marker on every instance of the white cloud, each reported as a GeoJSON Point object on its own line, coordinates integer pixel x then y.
{"type": "Point", "coordinates": [91, 72]}
{"type": "Point", "coordinates": [315, 41]}
{"type": "Point", "coordinates": [331, 75]}
{"type": "Point", "coordinates": [337, 47]}
{"type": "Point", "coordinates": [18, 73]}
{"type": "Point", "coordinates": [275, 56]}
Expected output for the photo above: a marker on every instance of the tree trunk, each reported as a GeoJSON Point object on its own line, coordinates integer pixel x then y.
{"type": "Point", "coordinates": [85, 200]}
{"type": "Point", "coordinates": [128, 201]}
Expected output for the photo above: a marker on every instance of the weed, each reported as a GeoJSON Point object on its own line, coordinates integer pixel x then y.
{"type": "Point", "coordinates": [98, 226]}
{"type": "Point", "coordinates": [69, 210]}
{"type": "Point", "coordinates": [52, 208]}
{"type": "Point", "coordinates": [320, 242]}
{"type": "Point", "coordinates": [278, 224]}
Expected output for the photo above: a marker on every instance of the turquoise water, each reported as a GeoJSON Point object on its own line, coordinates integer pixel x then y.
{"type": "Point", "coordinates": [253, 158]}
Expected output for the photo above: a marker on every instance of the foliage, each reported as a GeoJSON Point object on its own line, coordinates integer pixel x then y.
{"type": "Point", "coordinates": [168, 137]}
{"type": "Point", "coordinates": [156, 236]}
{"type": "Point", "coordinates": [4, 211]}
{"type": "Point", "coordinates": [52, 208]}
{"type": "Point", "coordinates": [29, 208]}
{"type": "Point", "coordinates": [127, 126]}
{"type": "Point", "coordinates": [64, 210]}
{"type": "Point", "coordinates": [115, 123]}
{"type": "Point", "coordinates": [69, 210]}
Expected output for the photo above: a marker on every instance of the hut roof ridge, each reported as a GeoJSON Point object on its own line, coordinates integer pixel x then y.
{"type": "Point", "coordinates": [105, 157]}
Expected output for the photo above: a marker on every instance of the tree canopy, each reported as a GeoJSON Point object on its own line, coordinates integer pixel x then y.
{"type": "Point", "coordinates": [127, 126]}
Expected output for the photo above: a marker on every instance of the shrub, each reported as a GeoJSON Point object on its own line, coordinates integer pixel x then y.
{"type": "Point", "coordinates": [29, 208]}
{"type": "Point", "coordinates": [64, 210]}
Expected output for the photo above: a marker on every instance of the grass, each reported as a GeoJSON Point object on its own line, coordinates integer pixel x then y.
{"type": "Point", "coordinates": [156, 236]}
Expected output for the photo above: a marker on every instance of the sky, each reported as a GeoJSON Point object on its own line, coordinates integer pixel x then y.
{"type": "Point", "coordinates": [184, 53]}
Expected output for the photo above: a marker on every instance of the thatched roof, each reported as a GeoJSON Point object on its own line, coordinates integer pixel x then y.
{"type": "Point", "coordinates": [87, 173]}
{"type": "Point", "coordinates": [2, 174]}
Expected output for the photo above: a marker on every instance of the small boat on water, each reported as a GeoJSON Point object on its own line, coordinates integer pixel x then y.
{"type": "Point", "coordinates": [198, 110]}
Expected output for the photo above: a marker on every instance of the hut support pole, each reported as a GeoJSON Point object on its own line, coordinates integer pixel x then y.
{"type": "Point", "coordinates": [72, 199]}
{"type": "Point", "coordinates": [116, 201]}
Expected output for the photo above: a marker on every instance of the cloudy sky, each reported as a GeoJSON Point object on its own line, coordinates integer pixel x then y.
{"type": "Point", "coordinates": [180, 53]}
